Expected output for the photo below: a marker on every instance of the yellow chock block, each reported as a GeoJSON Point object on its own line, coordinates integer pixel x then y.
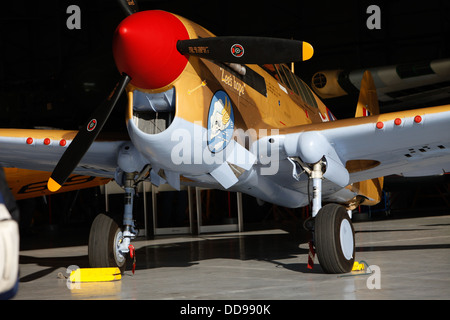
{"type": "Point", "coordinates": [95, 275]}
{"type": "Point", "coordinates": [358, 266]}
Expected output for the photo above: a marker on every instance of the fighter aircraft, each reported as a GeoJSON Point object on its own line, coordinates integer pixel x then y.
{"type": "Point", "coordinates": [227, 113]}
{"type": "Point", "coordinates": [401, 85]}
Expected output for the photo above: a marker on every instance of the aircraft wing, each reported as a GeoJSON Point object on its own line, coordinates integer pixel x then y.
{"type": "Point", "coordinates": [36, 149]}
{"type": "Point", "coordinates": [411, 143]}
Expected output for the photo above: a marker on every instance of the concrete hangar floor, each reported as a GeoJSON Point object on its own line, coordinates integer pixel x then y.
{"type": "Point", "coordinates": [408, 257]}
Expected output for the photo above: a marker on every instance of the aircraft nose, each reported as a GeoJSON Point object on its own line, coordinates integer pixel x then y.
{"type": "Point", "coordinates": [144, 47]}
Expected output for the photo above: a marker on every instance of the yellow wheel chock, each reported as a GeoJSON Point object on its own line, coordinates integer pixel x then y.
{"type": "Point", "coordinates": [358, 266]}
{"type": "Point", "coordinates": [95, 275]}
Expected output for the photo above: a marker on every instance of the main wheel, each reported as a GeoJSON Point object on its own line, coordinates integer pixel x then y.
{"type": "Point", "coordinates": [104, 239]}
{"type": "Point", "coordinates": [334, 239]}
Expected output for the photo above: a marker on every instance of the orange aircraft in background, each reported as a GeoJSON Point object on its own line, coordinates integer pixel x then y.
{"type": "Point", "coordinates": [26, 183]}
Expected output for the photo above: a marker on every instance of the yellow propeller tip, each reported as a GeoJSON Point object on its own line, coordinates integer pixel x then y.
{"type": "Point", "coordinates": [307, 51]}
{"type": "Point", "coordinates": [52, 185]}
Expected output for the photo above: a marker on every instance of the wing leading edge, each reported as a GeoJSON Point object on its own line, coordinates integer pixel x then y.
{"type": "Point", "coordinates": [412, 143]}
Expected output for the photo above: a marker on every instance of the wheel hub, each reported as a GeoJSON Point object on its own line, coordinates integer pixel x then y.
{"type": "Point", "coordinates": [118, 256]}
{"type": "Point", "coordinates": [346, 237]}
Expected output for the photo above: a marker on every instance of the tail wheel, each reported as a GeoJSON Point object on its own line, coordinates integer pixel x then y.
{"type": "Point", "coordinates": [334, 239]}
{"type": "Point", "coordinates": [104, 239]}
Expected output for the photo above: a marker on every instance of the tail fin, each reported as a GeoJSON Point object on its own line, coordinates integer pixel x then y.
{"type": "Point", "coordinates": [368, 100]}
{"type": "Point", "coordinates": [369, 191]}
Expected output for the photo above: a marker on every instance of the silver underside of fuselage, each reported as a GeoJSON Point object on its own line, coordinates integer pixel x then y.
{"type": "Point", "coordinates": [179, 146]}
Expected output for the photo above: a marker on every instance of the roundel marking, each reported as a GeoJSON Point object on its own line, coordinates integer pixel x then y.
{"type": "Point", "coordinates": [237, 50]}
{"type": "Point", "coordinates": [91, 125]}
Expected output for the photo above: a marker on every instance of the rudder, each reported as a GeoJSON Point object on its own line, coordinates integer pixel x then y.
{"type": "Point", "coordinates": [370, 190]}
{"type": "Point", "coordinates": [368, 99]}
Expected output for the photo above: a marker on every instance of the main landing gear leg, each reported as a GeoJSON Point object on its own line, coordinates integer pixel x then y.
{"type": "Point", "coordinates": [333, 234]}
{"type": "Point", "coordinates": [316, 177]}
{"type": "Point", "coordinates": [129, 231]}
{"type": "Point", "coordinates": [109, 245]}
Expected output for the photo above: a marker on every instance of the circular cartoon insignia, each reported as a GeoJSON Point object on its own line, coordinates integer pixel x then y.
{"type": "Point", "coordinates": [237, 50]}
{"type": "Point", "coordinates": [220, 122]}
{"type": "Point", "coordinates": [91, 125]}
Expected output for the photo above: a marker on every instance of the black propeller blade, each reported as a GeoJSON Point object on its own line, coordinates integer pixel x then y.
{"type": "Point", "coordinates": [247, 50]}
{"type": "Point", "coordinates": [89, 132]}
{"type": "Point", "coordinates": [129, 6]}
{"type": "Point", "coordinates": [85, 137]}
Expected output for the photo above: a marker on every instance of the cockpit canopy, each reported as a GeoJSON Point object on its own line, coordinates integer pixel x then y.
{"type": "Point", "coordinates": [284, 76]}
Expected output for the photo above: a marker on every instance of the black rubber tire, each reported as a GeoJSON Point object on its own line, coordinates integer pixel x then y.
{"type": "Point", "coordinates": [101, 247]}
{"type": "Point", "coordinates": [327, 229]}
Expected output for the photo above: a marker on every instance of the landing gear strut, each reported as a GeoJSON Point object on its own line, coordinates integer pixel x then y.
{"type": "Point", "coordinates": [109, 243]}
{"type": "Point", "coordinates": [333, 233]}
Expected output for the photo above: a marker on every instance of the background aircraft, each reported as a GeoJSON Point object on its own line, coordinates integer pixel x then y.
{"type": "Point", "coordinates": [91, 168]}
{"type": "Point", "coordinates": [398, 86]}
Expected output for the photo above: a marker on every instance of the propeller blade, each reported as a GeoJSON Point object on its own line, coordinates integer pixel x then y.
{"type": "Point", "coordinates": [129, 6]}
{"type": "Point", "coordinates": [85, 137]}
{"type": "Point", "coordinates": [247, 50]}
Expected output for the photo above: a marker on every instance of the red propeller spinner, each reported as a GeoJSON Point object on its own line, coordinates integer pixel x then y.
{"type": "Point", "coordinates": [145, 48]}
